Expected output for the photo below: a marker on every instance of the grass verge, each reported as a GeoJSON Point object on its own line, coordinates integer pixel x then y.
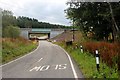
{"type": "Point", "coordinates": [87, 64]}
{"type": "Point", "coordinates": [14, 48]}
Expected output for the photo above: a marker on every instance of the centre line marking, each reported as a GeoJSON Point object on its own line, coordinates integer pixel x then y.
{"type": "Point", "coordinates": [40, 59]}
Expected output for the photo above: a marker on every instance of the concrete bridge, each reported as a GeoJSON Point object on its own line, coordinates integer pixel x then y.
{"type": "Point", "coordinates": [50, 33]}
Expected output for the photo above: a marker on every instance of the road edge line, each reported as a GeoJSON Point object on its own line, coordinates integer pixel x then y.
{"type": "Point", "coordinates": [71, 63]}
{"type": "Point", "coordinates": [21, 56]}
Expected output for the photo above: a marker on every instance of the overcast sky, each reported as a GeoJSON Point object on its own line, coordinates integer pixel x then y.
{"type": "Point", "coordinates": [51, 11]}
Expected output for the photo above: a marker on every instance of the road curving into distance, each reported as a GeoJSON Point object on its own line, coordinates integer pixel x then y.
{"type": "Point", "coordinates": [47, 61]}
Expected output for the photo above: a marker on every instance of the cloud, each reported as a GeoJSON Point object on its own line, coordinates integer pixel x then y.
{"type": "Point", "coordinates": [51, 11]}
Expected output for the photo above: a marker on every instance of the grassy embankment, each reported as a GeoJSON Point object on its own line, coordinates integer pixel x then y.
{"type": "Point", "coordinates": [14, 48]}
{"type": "Point", "coordinates": [86, 61]}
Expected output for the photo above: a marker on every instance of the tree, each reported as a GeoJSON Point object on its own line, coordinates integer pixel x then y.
{"type": "Point", "coordinates": [95, 15]}
{"type": "Point", "coordinates": [8, 19]}
{"type": "Point", "coordinates": [11, 32]}
{"type": "Point", "coordinates": [116, 29]}
{"type": "Point", "coordinates": [24, 22]}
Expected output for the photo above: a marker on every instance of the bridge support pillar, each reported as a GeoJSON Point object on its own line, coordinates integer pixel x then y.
{"type": "Point", "coordinates": [48, 35]}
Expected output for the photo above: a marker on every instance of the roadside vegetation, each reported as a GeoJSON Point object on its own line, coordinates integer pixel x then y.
{"type": "Point", "coordinates": [99, 20]}
{"type": "Point", "coordinates": [0, 50]}
{"type": "Point", "coordinates": [108, 51]}
{"type": "Point", "coordinates": [87, 64]}
{"type": "Point", "coordinates": [87, 60]}
{"type": "Point", "coordinates": [14, 48]}
{"type": "Point", "coordinates": [99, 25]}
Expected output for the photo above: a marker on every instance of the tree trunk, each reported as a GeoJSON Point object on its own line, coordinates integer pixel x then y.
{"type": "Point", "coordinates": [114, 24]}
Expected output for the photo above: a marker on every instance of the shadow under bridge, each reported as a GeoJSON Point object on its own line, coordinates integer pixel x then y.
{"type": "Point", "coordinates": [39, 34]}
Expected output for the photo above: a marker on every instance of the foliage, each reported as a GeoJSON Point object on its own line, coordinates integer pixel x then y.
{"type": "Point", "coordinates": [11, 32]}
{"type": "Point", "coordinates": [108, 51]}
{"type": "Point", "coordinates": [0, 50]}
{"type": "Point", "coordinates": [96, 17]}
{"type": "Point", "coordinates": [109, 55]}
{"type": "Point", "coordinates": [8, 19]}
{"type": "Point", "coordinates": [25, 22]}
{"type": "Point", "coordinates": [87, 64]}
{"type": "Point", "coordinates": [14, 48]}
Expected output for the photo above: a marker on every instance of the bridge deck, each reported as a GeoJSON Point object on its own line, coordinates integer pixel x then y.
{"type": "Point", "coordinates": [40, 31]}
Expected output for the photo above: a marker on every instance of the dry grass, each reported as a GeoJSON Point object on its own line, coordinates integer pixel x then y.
{"type": "Point", "coordinates": [67, 36]}
{"type": "Point", "coordinates": [108, 51]}
{"type": "Point", "coordinates": [14, 48]}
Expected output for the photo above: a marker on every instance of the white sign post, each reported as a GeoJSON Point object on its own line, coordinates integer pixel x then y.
{"type": "Point", "coordinates": [81, 49]}
{"type": "Point", "coordinates": [97, 60]}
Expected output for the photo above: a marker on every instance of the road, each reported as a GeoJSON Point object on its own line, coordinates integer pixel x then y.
{"type": "Point", "coordinates": [47, 61]}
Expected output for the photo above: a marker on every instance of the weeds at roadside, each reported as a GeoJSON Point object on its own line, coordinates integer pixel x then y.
{"type": "Point", "coordinates": [14, 48]}
{"type": "Point", "coordinates": [87, 64]}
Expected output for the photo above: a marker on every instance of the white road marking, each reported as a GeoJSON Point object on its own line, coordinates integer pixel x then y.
{"type": "Point", "coordinates": [44, 68]}
{"type": "Point", "coordinates": [40, 59]}
{"type": "Point", "coordinates": [35, 68]}
{"type": "Point", "coordinates": [40, 68]}
{"type": "Point", "coordinates": [21, 57]}
{"type": "Point", "coordinates": [56, 67]}
{"type": "Point", "coordinates": [62, 66]}
{"type": "Point", "coordinates": [72, 66]}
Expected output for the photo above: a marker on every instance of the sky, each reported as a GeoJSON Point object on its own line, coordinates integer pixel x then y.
{"type": "Point", "coordinates": [51, 11]}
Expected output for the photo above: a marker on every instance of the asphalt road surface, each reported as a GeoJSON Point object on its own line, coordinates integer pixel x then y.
{"type": "Point", "coordinates": [47, 61]}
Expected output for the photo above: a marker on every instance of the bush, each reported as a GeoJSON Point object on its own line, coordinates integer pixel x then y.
{"type": "Point", "coordinates": [11, 32]}
{"type": "Point", "coordinates": [87, 64]}
{"type": "Point", "coordinates": [108, 51]}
